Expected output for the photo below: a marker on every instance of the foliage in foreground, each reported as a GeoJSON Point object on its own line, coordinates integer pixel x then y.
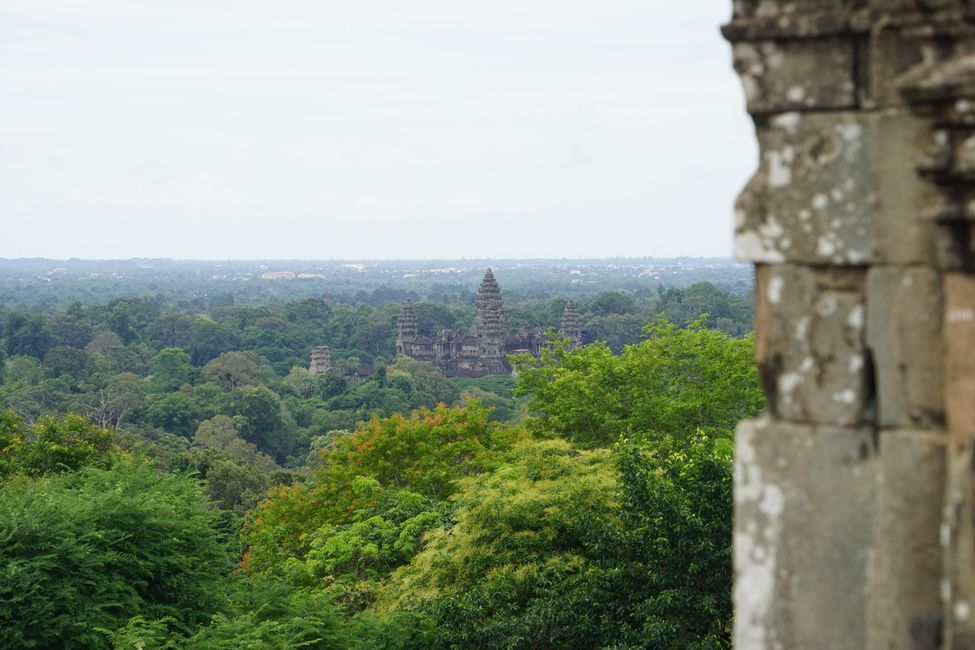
{"type": "Point", "coordinates": [52, 445]}
{"type": "Point", "coordinates": [88, 550]}
{"type": "Point", "coordinates": [558, 550]}
{"type": "Point", "coordinates": [603, 524]}
{"type": "Point", "coordinates": [420, 454]}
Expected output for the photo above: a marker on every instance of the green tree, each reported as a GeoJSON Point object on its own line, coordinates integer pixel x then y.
{"type": "Point", "coordinates": [12, 432]}
{"type": "Point", "coordinates": [217, 432]}
{"type": "Point", "coordinates": [114, 398]}
{"type": "Point", "coordinates": [726, 311]}
{"type": "Point", "coordinates": [27, 334]}
{"type": "Point", "coordinates": [424, 453]}
{"type": "Point", "coordinates": [232, 370]}
{"type": "Point", "coordinates": [121, 321]}
{"type": "Point", "coordinates": [236, 486]}
{"type": "Point", "coordinates": [65, 361]}
{"type": "Point", "coordinates": [171, 369]}
{"type": "Point", "coordinates": [431, 317]}
{"type": "Point", "coordinates": [563, 548]}
{"type": "Point", "coordinates": [176, 413]}
{"type": "Point", "coordinates": [171, 330]}
{"type": "Point", "coordinates": [515, 567]}
{"type": "Point", "coordinates": [86, 551]}
{"type": "Point", "coordinates": [670, 385]}
{"type": "Point", "coordinates": [385, 531]}
{"type": "Point", "coordinates": [375, 333]}
{"type": "Point", "coordinates": [676, 542]}
{"type": "Point", "coordinates": [70, 330]}
{"type": "Point", "coordinates": [300, 382]}
{"type": "Point", "coordinates": [209, 340]}
{"type": "Point", "coordinates": [616, 330]}
{"type": "Point", "coordinates": [612, 302]}
{"type": "Point", "coordinates": [59, 444]}
{"type": "Point", "coordinates": [264, 420]}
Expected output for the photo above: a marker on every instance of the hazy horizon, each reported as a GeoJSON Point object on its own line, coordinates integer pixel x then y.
{"type": "Point", "coordinates": [369, 130]}
{"type": "Point", "coordinates": [372, 259]}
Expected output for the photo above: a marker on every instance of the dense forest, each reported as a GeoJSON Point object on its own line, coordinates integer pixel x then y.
{"type": "Point", "coordinates": [173, 476]}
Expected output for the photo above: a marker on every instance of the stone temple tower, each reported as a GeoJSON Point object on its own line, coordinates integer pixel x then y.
{"type": "Point", "coordinates": [321, 360]}
{"type": "Point", "coordinates": [489, 325]}
{"type": "Point", "coordinates": [406, 330]}
{"type": "Point", "coordinates": [570, 326]}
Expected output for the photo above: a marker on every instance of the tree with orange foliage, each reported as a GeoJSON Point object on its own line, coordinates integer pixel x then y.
{"type": "Point", "coordinates": [423, 453]}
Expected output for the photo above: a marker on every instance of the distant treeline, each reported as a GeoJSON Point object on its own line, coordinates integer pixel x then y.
{"type": "Point", "coordinates": [43, 285]}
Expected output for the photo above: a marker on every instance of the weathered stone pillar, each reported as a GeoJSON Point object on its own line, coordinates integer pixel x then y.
{"type": "Point", "coordinates": [854, 502]}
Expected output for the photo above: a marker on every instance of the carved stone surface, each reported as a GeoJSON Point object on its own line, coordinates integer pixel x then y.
{"type": "Point", "coordinates": [904, 316]}
{"type": "Point", "coordinates": [836, 188]}
{"type": "Point", "coordinates": [905, 609]}
{"type": "Point", "coordinates": [811, 200]}
{"type": "Point", "coordinates": [810, 345]}
{"type": "Point", "coordinates": [795, 580]}
{"type": "Point", "coordinates": [958, 542]}
{"type": "Point", "coordinates": [861, 219]}
{"type": "Point", "coordinates": [960, 354]}
{"type": "Point", "coordinates": [796, 75]}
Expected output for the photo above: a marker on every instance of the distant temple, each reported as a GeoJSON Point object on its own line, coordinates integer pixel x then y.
{"type": "Point", "coordinates": [321, 360]}
{"type": "Point", "coordinates": [483, 351]}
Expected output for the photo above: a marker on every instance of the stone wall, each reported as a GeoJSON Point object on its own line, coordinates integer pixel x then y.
{"type": "Point", "coordinates": [854, 495]}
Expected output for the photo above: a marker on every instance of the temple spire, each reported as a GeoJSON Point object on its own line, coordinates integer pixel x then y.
{"type": "Point", "coordinates": [488, 310]}
{"type": "Point", "coordinates": [570, 327]}
{"type": "Point", "coordinates": [406, 330]}
{"type": "Point", "coordinates": [321, 360]}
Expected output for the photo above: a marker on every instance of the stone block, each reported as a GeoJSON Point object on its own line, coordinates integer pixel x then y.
{"type": "Point", "coordinates": [809, 343]}
{"type": "Point", "coordinates": [804, 523]}
{"type": "Point", "coordinates": [909, 6]}
{"type": "Point", "coordinates": [806, 74]}
{"type": "Point", "coordinates": [778, 8]}
{"type": "Point", "coordinates": [837, 188]}
{"type": "Point", "coordinates": [903, 332]}
{"type": "Point", "coordinates": [958, 543]}
{"type": "Point", "coordinates": [959, 337]}
{"type": "Point", "coordinates": [886, 57]}
{"type": "Point", "coordinates": [899, 142]}
{"type": "Point", "coordinates": [905, 608]}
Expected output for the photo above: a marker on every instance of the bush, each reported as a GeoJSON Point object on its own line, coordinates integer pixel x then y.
{"type": "Point", "coordinates": [92, 549]}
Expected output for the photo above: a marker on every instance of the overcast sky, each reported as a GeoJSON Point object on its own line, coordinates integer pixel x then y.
{"type": "Point", "coordinates": [367, 128]}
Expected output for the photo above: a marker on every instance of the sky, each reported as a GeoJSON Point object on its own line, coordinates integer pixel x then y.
{"type": "Point", "coordinates": [349, 129]}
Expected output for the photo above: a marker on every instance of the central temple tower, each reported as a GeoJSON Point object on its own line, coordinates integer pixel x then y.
{"type": "Point", "coordinates": [489, 327]}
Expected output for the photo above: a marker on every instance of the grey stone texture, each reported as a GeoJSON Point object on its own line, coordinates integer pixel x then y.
{"type": "Point", "coordinates": [958, 541]}
{"type": "Point", "coordinates": [904, 586]}
{"type": "Point", "coordinates": [878, 583]}
{"type": "Point", "coordinates": [810, 345]}
{"type": "Point", "coordinates": [904, 324]}
{"type": "Point", "coordinates": [855, 495]}
{"type": "Point", "coordinates": [795, 580]}
{"type": "Point", "coordinates": [837, 188]}
{"type": "Point", "coordinates": [785, 76]}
